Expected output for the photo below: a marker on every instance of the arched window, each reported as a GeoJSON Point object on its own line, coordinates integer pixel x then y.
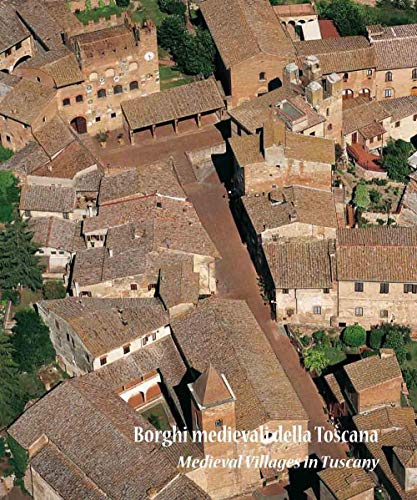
{"type": "Point", "coordinates": [79, 98]}
{"type": "Point", "coordinates": [101, 93]}
{"type": "Point", "coordinates": [414, 74]}
{"type": "Point", "coordinates": [347, 94]}
{"type": "Point", "coordinates": [388, 76]}
{"type": "Point", "coordinates": [345, 77]}
{"type": "Point", "coordinates": [388, 93]}
{"type": "Point", "coordinates": [134, 85]}
{"type": "Point", "coordinates": [117, 89]}
{"type": "Point", "coordinates": [365, 93]}
{"type": "Point", "coordinates": [66, 101]}
{"type": "Point", "coordinates": [262, 76]}
{"type": "Point", "coordinates": [329, 127]}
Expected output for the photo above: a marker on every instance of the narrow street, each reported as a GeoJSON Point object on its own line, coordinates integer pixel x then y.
{"type": "Point", "coordinates": [238, 280]}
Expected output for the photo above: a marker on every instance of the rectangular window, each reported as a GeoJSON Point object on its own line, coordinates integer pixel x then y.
{"type": "Point", "coordinates": [68, 337]}
{"type": "Point", "coordinates": [414, 289]}
{"type": "Point", "coordinates": [18, 45]}
{"type": "Point", "coordinates": [397, 124]}
{"type": "Point", "coordinates": [61, 252]}
{"type": "Point", "coordinates": [103, 360]}
{"type": "Point", "coordinates": [384, 288]}
{"type": "Point", "coordinates": [8, 138]}
{"type": "Point", "coordinates": [415, 118]}
{"type": "Point", "coordinates": [358, 311]}
{"type": "Point", "coordinates": [369, 72]}
{"type": "Point", "coordinates": [113, 115]}
{"type": "Point", "coordinates": [98, 118]}
{"type": "Point", "coordinates": [408, 288]}
{"type": "Point", "coordinates": [383, 313]}
{"type": "Point", "coordinates": [133, 287]}
{"type": "Point", "coordinates": [126, 349]}
{"type": "Point", "coordinates": [56, 324]}
{"type": "Point", "coordinates": [326, 290]}
{"type": "Point", "coordinates": [66, 215]}
{"type": "Point", "coordinates": [358, 286]}
{"type": "Point", "coordinates": [317, 310]}
{"type": "Point", "coordinates": [285, 291]}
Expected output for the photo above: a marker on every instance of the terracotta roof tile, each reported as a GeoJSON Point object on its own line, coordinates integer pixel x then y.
{"type": "Point", "coordinates": [12, 30]}
{"type": "Point", "coordinates": [299, 204]}
{"type": "Point", "coordinates": [401, 107]}
{"type": "Point", "coordinates": [346, 483]}
{"type": "Point", "coordinates": [370, 372]}
{"type": "Point", "coordinates": [26, 101]}
{"type": "Point", "coordinates": [362, 114]}
{"type": "Point", "coordinates": [56, 233]}
{"type": "Point", "coordinates": [47, 198]}
{"type": "Point", "coordinates": [175, 103]}
{"type": "Point", "coordinates": [242, 29]}
{"type": "Point", "coordinates": [210, 388]}
{"type": "Point", "coordinates": [300, 264]}
{"type": "Point", "coordinates": [54, 136]}
{"type": "Point", "coordinates": [219, 332]}
{"type": "Point", "coordinates": [300, 9]}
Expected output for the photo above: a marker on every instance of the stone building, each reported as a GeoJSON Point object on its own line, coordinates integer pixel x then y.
{"type": "Point", "coordinates": [121, 326]}
{"type": "Point", "coordinates": [58, 240]}
{"type": "Point", "coordinates": [232, 385]}
{"type": "Point", "coordinates": [395, 448]}
{"type": "Point", "coordinates": [175, 110]}
{"type": "Point", "coordinates": [352, 58]}
{"type": "Point", "coordinates": [373, 382]}
{"type": "Point", "coordinates": [396, 60]}
{"type": "Point", "coordinates": [253, 47]}
{"type": "Point", "coordinates": [301, 20]}
{"type": "Point", "coordinates": [376, 275]}
{"type": "Point", "coordinates": [16, 44]}
{"type": "Point", "coordinates": [346, 484]}
{"type": "Point", "coordinates": [302, 284]}
{"type": "Point", "coordinates": [24, 107]}
{"type": "Point", "coordinates": [279, 157]}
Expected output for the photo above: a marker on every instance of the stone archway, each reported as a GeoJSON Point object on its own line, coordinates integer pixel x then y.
{"type": "Point", "coordinates": [79, 124]}
{"type": "Point", "coordinates": [20, 61]}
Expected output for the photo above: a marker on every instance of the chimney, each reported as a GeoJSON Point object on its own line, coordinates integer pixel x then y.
{"type": "Point", "coordinates": [314, 93]}
{"type": "Point", "coordinates": [292, 73]}
{"type": "Point", "coordinates": [334, 85]}
{"type": "Point", "coordinates": [311, 68]}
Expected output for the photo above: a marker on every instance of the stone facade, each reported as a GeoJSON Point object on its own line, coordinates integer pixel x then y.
{"type": "Point", "coordinates": [11, 58]}
{"type": "Point", "coordinates": [395, 83]}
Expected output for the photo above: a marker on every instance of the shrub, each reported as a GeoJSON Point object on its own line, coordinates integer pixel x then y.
{"type": "Point", "coordinates": [53, 290]}
{"type": "Point", "coordinates": [395, 340]}
{"type": "Point", "coordinates": [12, 295]}
{"type": "Point", "coordinates": [315, 359]}
{"type": "Point", "coordinates": [354, 336]}
{"type": "Point", "coordinates": [375, 196]}
{"type": "Point", "coordinates": [319, 336]}
{"type": "Point", "coordinates": [18, 460]}
{"type": "Point", "coordinates": [305, 340]}
{"type": "Point", "coordinates": [376, 336]}
{"type": "Point", "coordinates": [361, 197]}
{"type": "Point", "coordinates": [172, 7]}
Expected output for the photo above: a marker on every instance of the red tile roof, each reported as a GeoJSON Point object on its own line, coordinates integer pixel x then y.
{"type": "Point", "coordinates": [328, 29]}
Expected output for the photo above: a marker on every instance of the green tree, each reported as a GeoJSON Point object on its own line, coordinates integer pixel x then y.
{"type": "Point", "coordinates": [195, 56]}
{"type": "Point", "coordinates": [171, 33]}
{"type": "Point", "coordinates": [376, 337]}
{"type": "Point", "coordinates": [53, 290]}
{"type": "Point", "coordinates": [173, 7]}
{"type": "Point", "coordinates": [19, 266]}
{"type": "Point", "coordinates": [395, 160]}
{"type": "Point", "coordinates": [9, 195]}
{"type": "Point", "coordinates": [361, 197]}
{"type": "Point", "coordinates": [11, 398]}
{"type": "Point", "coordinates": [31, 342]}
{"type": "Point", "coordinates": [319, 336]}
{"type": "Point", "coordinates": [316, 360]}
{"type": "Point", "coordinates": [354, 336]}
{"type": "Point", "coordinates": [346, 15]}
{"type": "Point", "coordinates": [395, 340]}
{"type": "Point", "coordinates": [5, 153]}
{"type": "Point", "coordinates": [19, 459]}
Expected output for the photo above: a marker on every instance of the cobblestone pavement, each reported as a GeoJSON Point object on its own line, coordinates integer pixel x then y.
{"type": "Point", "coordinates": [237, 279]}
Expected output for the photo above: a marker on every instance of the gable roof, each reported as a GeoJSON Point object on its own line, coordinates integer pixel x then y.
{"type": "Point", "coordinates": [401, 107]}
{"type": "Point", "coordinates": [54, 136]}
{"type": "Point", "coordinates": [219, 332]}
{"type": "Point", "coordinates": [339, 55]}
{"type": "Point", "coordinates": [300, 264]}
{"type": "Point", "coordinates": [105, 324]}
{"type": "Point", "coordinates": [26, 101]}
{"type": "Point", "coordinates": [40, 198]}
{"type": "Point", "coordinates": [298, 204]}
{"type": "Point", "coordinates": [377, 254]}
{"type": "Point", "coordinates": [243, 28]}
{"type": "Point", "coordinates": [362, 114]}
{"type": "Point", "coordinates": [178, 102]}
{"type": "Point", "coordinates": [12, 30]}
{"type": "Point", "coordinates": [53, 232]}
{"type": "Point", "coordinates": [370, 372]}
{"type": "Point", "coordinates": [60, 64]}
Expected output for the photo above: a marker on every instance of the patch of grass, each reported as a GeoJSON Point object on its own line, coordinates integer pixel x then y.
{"type": "Point", "coordinates": [171, 77]}
{"type": "Point", "coordinates": [149, 10]}
{"type": "Point", "coordinates": [334, 355]}
{"type": "Point", "coordinates": [27, 298]}
{"type": "Point", "coordinates": [95, 14]}
{"type": "Point", "coordinates": [31, 385]}
{"type": "Point", "coordinates": [157, 417]}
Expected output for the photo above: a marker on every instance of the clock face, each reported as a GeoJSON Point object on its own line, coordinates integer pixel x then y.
{"type": "Point", "coordinates": [149, 56]}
